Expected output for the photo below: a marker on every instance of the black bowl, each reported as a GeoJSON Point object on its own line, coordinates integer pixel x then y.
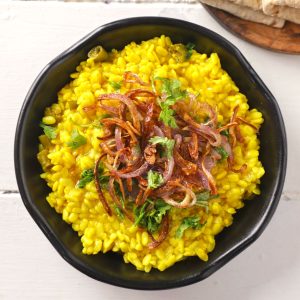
{"type": "Point", "coordinates": [249, 222]}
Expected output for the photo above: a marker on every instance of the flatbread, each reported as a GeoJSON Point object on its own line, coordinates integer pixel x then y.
{"type": "Point", "coordinates": [254, 4]}
{"type": "Point", "coordinates": [286, 9]}
{"type": "Point", "coordinates": [246, 12]}
{"type": "Point", "coordinates": [289, 3]}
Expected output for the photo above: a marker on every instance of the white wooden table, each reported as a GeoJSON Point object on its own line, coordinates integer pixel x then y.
{"type": "Point", "coordinates": [31, 34]}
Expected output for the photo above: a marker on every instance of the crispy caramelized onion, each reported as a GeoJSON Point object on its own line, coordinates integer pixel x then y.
{"type": "Point", "coordinates": [169, 170]}
{"type": "Point", "coordinates": [211, 180]}
{"type": "Point", "coordinates": [123, 124]}
{"type": "Point", "coordinates": [129, 103]}
{"type": "Point", "coordinates": [138, 172]}
{"type": "Point", "coordinates": [133, 78]}
{"type": "Point", "coordinates": [212, 135]}
{"type": "Point", "coordinates": [188, 201]}
{"type": "Point", "coordinates": [149, 160]}
{"type": "Point", "coordinates": [162, 235]}
{"type": "Point", "coordinates": [98, 187]}
{"type": "Point", "coordinates": [186, 166]}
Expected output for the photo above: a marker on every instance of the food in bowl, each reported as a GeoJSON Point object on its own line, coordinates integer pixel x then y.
{"type": "Point", "coordinates": [150, 151]}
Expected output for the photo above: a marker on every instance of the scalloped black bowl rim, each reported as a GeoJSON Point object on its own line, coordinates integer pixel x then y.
{"type": "Point", "coordinates": [222, 260]}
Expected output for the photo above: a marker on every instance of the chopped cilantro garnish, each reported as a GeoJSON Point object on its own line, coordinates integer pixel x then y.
{"type": "Point", "coordinates": [85, 177]}
{"type": "Point", "coordinates": [188, 222]}
{"type": "Point", "coordinates": [164, 141]}
{"type": "Point", "coordinates": [139, 214]}
{"type": "Point", "coordinates": [189, 50]}
{"type": "Point", "coordinates": [77, 140]}
{"type": "Point", "coordinates": [203, 198]}
{"type": "Point", "coordinates": [116, 85]}
{"type": "Point", "coordinates": [118, 212]}
{"type": "Point", "coordinates": [171, 89]}
{"type": "Point", "coordinates": [172, 93]}
{"type": "Point", "coordinates": [49, 131]}
{"type": "Point", "coordinates": [98, 122]}
{"type": "Point", "coordinates": [95, 123]}
{"type": "Point", "coordinates": [103, 179]}
{"type": "Point", "coordinates": [167, 116]}
{"type": "Point", "coordinates": [225, 132]}
{"type": "Point", "coordinates": [88, 176]}
{"type": "Point", "coordinates": [150, 215]}
{"type": "Point", "coordinates": [118, 191]}
{"type": "Point", "coordinates": [224, 154]}
{"type": "Point", "coordinates": [155, 179]}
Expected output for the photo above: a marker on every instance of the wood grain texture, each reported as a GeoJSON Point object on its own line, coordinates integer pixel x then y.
{"type": "Point", "coordinates": [286, 39]}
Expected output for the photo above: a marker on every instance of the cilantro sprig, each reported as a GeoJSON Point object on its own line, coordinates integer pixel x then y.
{"type": "Point", "coordinates": [225, 132]}
{"type": "Point", "coordinates": [87, 176]}
{"type": "Point", "coordinates": [96, 123]}
{"type": "Point", "coordinates": [164, 141]}
{"type": "Point", "coordinates": [188, 222]}
{"type": "Point", "coordinates": [189, 50]}
{"type": "Point", "coordinates": [116, 85]}
{"type": "Point", "coordinates": [155, 179]}
{"type": "Point", "coordinates": [76, 140]}
{"type": "Point", "coordinates": [224, 154]}
{"type": "Point", "coordinates": [49, 131]}
{"type": "Point", "coordinates": [118, 212]}
{"type": "Point", "coordinates": [150, 214]}
{"type": "Point", "coordinates": [203, 199]}
{"type": "Point", "coordinates": [172, 92]}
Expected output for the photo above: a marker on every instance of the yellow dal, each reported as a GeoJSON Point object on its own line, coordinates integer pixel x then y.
{"type": "Point", "coordinates": [201, 74]}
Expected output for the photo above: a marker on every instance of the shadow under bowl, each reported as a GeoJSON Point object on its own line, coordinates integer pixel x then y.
{"type": "Point", "coordinates": [249, 222]}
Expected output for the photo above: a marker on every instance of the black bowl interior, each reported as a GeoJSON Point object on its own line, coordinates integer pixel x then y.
{"type": "Point", "coordinates": [249, 222]}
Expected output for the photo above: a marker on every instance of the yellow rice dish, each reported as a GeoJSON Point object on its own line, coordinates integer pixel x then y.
{"type": "Point", "coordinates": [72, 144]}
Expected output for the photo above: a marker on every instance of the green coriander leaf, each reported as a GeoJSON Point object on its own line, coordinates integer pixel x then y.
{"type": "Point", "coordinates": [203, 196]}
{"type": "Point", "coordinates": [139, 213]}
{"type": "Point", "coordinates": [85, 177]}
{"type": "Point", "coordinates": [167, 116]}
{"type": "Point", "coordinates": [150, 214]}
{"type": "Point", "coordinates": [155, 179]}
{"type": "Point", "coordinates": [118, 192]}
{"type": "Point", "coordinates": [203, 199]}
{"type": "Point", "coordinates": [88, 176]}
{"type": "Point", "coordinates": [224, 154]}
{"type": "Point", "coordinates": [188, 222]}
{"type": "Point", "coordinates": [164, 141]}
{"type": "Point", "coordinates": [96, 123]}
{"type": "Point", "coordinates": [103, 179]}
{"type": "Point", "coordinates": [119, 212]}
{"type": "Point", "coordinates": [189, 50]}
{"type": "Point", "coordinates": [116, 85]}
{"type": "Point", "coordinates": [49, 131]}
{"type": "Point", "coordinates": [170, 88]}
{"type": "Point", "coordinates": [225, 132]}
{"type": "Point", "coordinates": [161, 208]}
{"type": "Point", "coordinates": [197, 119]}
{"type": "Point", "coordinates": [77, 140]}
